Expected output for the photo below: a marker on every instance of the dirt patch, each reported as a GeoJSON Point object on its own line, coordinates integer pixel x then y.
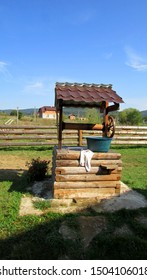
{"type": "Point", "coordinates": [12, 162]}
{"type": "Point", "coordinates": [27, 208]}
{"type": "Point", "coordinates": [128, 199]}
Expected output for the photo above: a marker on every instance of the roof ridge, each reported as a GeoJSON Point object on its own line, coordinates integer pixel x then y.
{"type": "Point", "coordinates": [83, 84]}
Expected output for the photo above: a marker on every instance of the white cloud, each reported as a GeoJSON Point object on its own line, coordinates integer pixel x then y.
{"type": "Point", "coordinates": [35, 88]}
{"type": "Point", "coordinates": [2, 66]}
{"type": "Point", "coordinates": [4, 72]}
{"type": "Point", "coordinates": [135, 61]}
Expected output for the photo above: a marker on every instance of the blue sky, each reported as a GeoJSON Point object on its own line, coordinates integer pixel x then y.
{"type": "Point", "coordinates": [93, 41]}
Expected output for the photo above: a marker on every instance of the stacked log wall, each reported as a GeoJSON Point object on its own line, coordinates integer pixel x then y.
{"type": "Point", "coordinates": [70, 180]}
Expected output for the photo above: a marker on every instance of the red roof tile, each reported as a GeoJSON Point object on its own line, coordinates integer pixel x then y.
{"type": "Point", "coordinates": [46, 108]}
{"type": "Point", "coordinates": [85, 94]}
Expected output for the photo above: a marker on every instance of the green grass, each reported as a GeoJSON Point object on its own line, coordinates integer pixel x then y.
{"type": "Point", "coordinates": [134, 166]}
{"type": "Point", "coordinates": [27, 152]}
{"type": "Point", "coordinates": [42, 205]}
{"type": "Point", "coordinates": [38, 237]}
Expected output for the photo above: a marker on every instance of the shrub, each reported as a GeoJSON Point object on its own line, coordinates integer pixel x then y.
{"type": "Point", "coordinates": [37, 169]}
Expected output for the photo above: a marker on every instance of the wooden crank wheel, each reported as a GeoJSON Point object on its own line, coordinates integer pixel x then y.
{"type": "Point", "coordinates": [110, 127]}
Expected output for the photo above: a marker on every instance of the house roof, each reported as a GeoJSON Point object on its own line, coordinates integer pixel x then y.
{"type": "Point", "coordinates": [46, 108]}
{"type": "Point", "coordinates": [84, 94]}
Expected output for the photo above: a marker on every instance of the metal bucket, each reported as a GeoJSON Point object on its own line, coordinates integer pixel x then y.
{"type": "Point", "coordinates": [98, 144]}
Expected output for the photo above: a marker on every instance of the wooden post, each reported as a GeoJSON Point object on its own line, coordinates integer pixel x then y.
{"type": "Point", "coordinates": [60, 126]}
{"type": "Point", "coordinates": [17, 116]}
{"type": "Point", "coordinates": [80, 137]}
{"type": "Point", "coordinates": [105, 119]}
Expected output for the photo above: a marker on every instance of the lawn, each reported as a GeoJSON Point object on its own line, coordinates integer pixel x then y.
{"type": "Point", "coordinates": [38, 237]}
{"type": "Point", "coordinates": [134, 167]}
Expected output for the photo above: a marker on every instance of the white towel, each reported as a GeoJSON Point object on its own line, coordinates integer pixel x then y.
{"type": "Point", "coordinates": [85, 158]}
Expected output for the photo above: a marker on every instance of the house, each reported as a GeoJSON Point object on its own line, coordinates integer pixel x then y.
{"type": "Point", "coordinates": [47, 112]}
{"type": "Point", "coordinates": [72, 117]}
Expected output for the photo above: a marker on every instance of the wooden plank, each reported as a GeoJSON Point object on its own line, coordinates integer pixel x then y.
{"type": "Point", "coordinates": [19, 132]}
{"type": "Point", "coordinates": [81, 170]}
{"type": "Point", "coordinates": [81, 193]}
{"type": "Point", "coordinates": [67, 162]}
{"type": "Point", "coordinates": [87, 177]}
{"type": "Point", "coordinates": [93, 162]}
{"type": "Point", "coordinates": [133, 135]}
{"type": "Point", "coordinates": [38, 137]}
{"type": "Point", "coordinates": [45, 143]}
{"type": "Point", "coordinates": [27, 127]}
{"type": "Point", "coordinates": [130, 138]}
{"type": "Point", "coordinates": [66, 153]}
{"type": "Point", "coordinates": [133, 142]}
{"type": "Point", "coordinates": [82, 126]}
{"type": "Point", "coordinates": [85, 185]}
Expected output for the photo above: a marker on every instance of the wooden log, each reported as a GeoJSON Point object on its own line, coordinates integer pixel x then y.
{"type": "Point", "coordinates": [87, 177]}
{"type": "Point", "coordinates": [119, 142]}
{"type": "Point", "coordinates": [131, 127]}
{"type": "Point", "coordinates": [82, 126]}
{"type": "Point", "coordinates": [85, 185]}
{"type": "Point", "coordinates": [81, 170]}
{"type": "Point", "coordinates": [28, 127]}
{"type": "Point", "coordinates": [123, 132]}
{"type": "Point", "coordinates": [93, 162]}
{"type": "Point", "coordinates": [19, 132]}
{"type": "Point", "coordinates": [9, 144]}
{"type": "Point", "coordinates": [80, 193]}
{"type": "Point", "coordinates": [38, 137]}
{"type": "Point", "coordinates": [66, 153]}
{"type": "Point", "coordinates": [130, 138]}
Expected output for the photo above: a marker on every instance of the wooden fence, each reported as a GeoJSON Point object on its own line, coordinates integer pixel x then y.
{"type": "Point", "coordinates": [47, 135]}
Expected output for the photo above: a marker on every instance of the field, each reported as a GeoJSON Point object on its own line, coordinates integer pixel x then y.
{"type": "Point", "coordinates": [122, 234]}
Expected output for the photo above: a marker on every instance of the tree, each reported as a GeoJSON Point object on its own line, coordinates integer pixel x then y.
{"type": "Point", "coordinates": [14, 113]}
{"type": "Point", "coordinates": [130, 116]}
{"type": "Point", "coordinates": [145, 119]}
{"type": "Point", "coordinates": [93, 115]}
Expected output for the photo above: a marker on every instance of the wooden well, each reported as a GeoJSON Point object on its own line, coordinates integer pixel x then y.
{"type": "Point", "coordinates": [70, 180]}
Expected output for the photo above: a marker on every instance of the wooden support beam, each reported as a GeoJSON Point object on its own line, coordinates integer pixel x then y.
{"type": "Point", "coordinates": [60, 125]}
{"type": "Point", "coordinates": [112, 108]}
{"type": "Point", "coordinates": [105, 120]}
{"type": "Point", "coordinates": [80, 126]}
{"type": "Point", "coordinates": [80, 137]}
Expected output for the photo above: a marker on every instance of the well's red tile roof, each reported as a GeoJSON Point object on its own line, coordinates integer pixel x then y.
{"type": "Point", "coordinates": [85, 94]}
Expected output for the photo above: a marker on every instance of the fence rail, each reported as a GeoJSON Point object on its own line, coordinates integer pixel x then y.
{"type": "Point", "coordinates": [47, 135]}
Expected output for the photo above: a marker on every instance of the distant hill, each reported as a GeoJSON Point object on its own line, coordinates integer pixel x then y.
{"type": "Point", "coordinates": [68, 110]}
{"type": "Point", "coordinates": [29, 111]}
{"type": "Point", "coordinates": [144, 113]}
{"type": "Point", "coordinates": [73, 110]}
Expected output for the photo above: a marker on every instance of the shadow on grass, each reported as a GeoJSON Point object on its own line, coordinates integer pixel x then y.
{"type": "Point", "coordinates": [32, 237]}
{"type": "Point", "coordinates": [17, 177]}
{"type": "Point", "coordinates": [40, 242]}
{"type": "Point", "coordinates": [43, 241]}
{"type": "Point", "coordinates": [142, 191]}
{"type": "Point", "coordinates": [19, 180]}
